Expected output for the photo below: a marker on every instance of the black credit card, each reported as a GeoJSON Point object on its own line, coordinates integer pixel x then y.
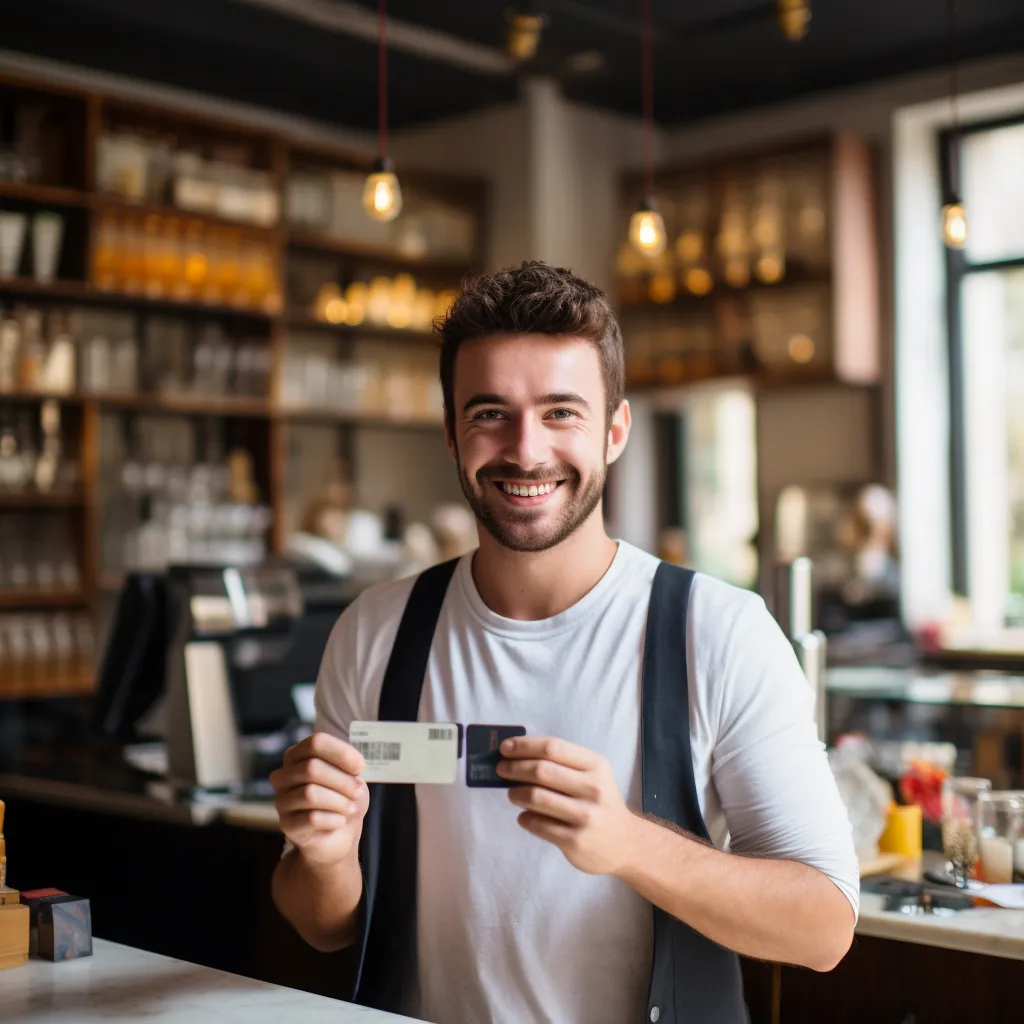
{"type": "Point", "coordinates": [483, 743]}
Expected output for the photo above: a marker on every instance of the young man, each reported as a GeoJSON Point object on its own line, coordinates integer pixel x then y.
{"type": "Point", "coordinates": [536, 903]}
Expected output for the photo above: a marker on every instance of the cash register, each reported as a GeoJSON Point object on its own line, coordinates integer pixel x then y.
{"type": "Point", "coordinates": [218, 663]}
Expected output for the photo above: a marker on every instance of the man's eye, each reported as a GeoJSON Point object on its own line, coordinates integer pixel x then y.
{"type": "Point", "coordinates": [562, 414]}
{"type": "Point", "coordinates": [489, 414]}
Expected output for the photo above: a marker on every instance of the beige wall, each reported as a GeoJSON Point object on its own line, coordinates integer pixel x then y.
{"type": "Point", "coordinates": [493, 145]}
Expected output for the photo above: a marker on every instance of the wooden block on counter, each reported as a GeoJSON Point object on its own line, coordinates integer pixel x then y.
{"type": "Point", "coordinates": [13, 935]}
{"type": "Point", "coordinates": [61, 926]}
{"type": "Point", "coordinates": [9, 895]}
{"type": "Point", "coordinates": [65, 932]}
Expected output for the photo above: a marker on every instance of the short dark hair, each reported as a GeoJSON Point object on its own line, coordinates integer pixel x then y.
{"type": "Point", "coordinates": [533, 298]}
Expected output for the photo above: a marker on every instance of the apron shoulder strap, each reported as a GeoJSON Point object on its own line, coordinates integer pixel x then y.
{"type": "Point", "coordinates": [403, 678]}
{"type": "Point", "coordinates": [387, 849]}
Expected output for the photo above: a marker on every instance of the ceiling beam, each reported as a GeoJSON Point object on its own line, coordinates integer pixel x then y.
{"type": "Point", "coordinates": [350, 19]}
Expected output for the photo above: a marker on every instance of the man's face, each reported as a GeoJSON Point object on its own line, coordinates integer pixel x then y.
{"type": "Point", "coordinates": [528, 432]}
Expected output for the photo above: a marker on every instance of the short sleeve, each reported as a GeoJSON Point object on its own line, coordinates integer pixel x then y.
{"type": "Point", "coordinates": [337, 699]}
{"type": "Point", "coordinates": [769, 768]}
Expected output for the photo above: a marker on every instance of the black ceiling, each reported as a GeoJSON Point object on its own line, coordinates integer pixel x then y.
{"type": "Point", "coordinates": [710, 57]}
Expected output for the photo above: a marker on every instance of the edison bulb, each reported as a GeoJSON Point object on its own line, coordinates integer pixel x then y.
{"type": "Point", "coordinates": [382, 195]}
{"type": "Point", "coordinates": [954, 225]}
{"type": "Point", "coordinates": [647, 230]}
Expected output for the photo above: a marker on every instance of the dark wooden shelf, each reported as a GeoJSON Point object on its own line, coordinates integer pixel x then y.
{"type": "Point", "coordinates": [39, 396]}
{"type": "Point", "coordinates": [83, 291]}
{"type": "Point", "coordinates": [51, 195]}
{"type": "Point", "coordinates": [60, 686]}
{"type": "Point", "coordinates": [796, 278]}
{"type": "Point", "coordinates": [39, 499]}
{"type": "Point", "coordinates": [321, 241]}
{"type": "Point", "coordinates": [307, 322]}
{"type": "Point", "coordinates": [359, 419]}
{"type": "Point", "coordinates": [25, 599]}
{"type": "Point", "coordinates": [203, 405]}
{"type": "Point", "coordinates": [119, 204]}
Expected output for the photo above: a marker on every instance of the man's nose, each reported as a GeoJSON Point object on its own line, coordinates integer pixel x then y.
{"type": "Point", "coordinates": [528, 446]}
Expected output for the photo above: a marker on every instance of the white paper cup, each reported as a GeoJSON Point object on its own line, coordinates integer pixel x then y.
{"type": "Point", "coordinates": [47, 235]}
{"type": "Point", "coordinates": [12, 239]}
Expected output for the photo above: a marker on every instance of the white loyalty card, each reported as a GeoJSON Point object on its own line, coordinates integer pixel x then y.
{"type": "Point", "coordinates": [407, 751]}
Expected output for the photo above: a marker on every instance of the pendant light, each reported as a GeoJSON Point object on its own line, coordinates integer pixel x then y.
{"type": "Point", "coordinates": [382, 195]}
{"type": "Point", "coordinates": [794, 18]}
{"type": "Point", "coordinates": [954, 216]}
{"type": "Point", "coordinates": [646, 226]}
{"type": "Point", "coordinates": [523, 30]}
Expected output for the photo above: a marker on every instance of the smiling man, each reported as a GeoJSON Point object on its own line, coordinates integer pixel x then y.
{"type": "Point", "coordinates": [672, 805]}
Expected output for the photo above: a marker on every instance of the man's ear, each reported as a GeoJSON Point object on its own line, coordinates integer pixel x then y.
{"type": "Point", "coordinates": [618, 432]}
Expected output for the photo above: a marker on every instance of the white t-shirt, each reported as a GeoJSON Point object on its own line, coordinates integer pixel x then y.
{"type": "Point", "coordinates": [508, 930]}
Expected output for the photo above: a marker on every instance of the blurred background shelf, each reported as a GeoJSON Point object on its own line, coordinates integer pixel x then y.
{"type": "Point", "coordinates": [64, 685]}
{"type": "Point", "coordinates": [26, 599]}
{"type": "Point", "coordinates": [202, 405]}
{"type": "Point", "coordinates": [41, 499]}
{"type": "Point", "coordinates": [46, 194]}
{"type": "Point", "coordinates": [84, 292]}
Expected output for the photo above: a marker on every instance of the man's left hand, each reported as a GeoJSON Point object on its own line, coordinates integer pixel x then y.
{"type": "Point", "coordinates": [570, 798]}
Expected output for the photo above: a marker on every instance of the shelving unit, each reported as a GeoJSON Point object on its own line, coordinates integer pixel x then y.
{"type": "Point", "coordinates": [82, 130]}
{"type": "Point", "coordinates": [770, 273]}
{"type": "Point", "coordinates": [767, 296]}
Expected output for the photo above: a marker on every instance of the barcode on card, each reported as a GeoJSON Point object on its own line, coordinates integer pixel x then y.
{"type": "Point", "coordinates": [440, 734]}
{"type": "Point", "coordinates": [379, 751]}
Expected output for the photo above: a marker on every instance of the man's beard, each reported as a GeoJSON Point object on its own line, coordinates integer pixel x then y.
{"type": "Point", "coordinates": [510, 526]}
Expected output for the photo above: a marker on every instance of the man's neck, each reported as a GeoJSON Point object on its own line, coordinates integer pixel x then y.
{"type": "Point", "coordinates": [532, 585]}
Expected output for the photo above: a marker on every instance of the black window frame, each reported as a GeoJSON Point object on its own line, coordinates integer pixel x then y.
{"type": "Point", "coordinates": [959, 267]}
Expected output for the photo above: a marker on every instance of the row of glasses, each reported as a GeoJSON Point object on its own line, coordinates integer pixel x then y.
{"type": "Point", "coordinates": [982, 831]}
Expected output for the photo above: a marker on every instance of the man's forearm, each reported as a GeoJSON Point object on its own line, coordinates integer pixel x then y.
{"type": "Point", "coordinates": [321, 903]}
{"type": "Point", "coordinates": [766, 909]}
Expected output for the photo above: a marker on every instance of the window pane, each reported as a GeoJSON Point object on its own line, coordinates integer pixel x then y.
{"type": "Point", "coordinates": [991, 164]}
{"type": "Point", "coordinates": [993, 367]}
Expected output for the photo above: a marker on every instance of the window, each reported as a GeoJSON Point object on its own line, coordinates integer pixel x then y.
{"type": "Point", "coordinates": [985, 298]}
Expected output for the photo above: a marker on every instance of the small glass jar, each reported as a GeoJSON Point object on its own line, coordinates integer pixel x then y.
{"type": "Point", "coordinates": [960, 824]}
{"type": "Point", "coordinates": [1001, 836]}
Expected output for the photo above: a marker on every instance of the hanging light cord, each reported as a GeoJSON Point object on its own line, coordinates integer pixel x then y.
{"type": "Point", "coordinates": [647, 67]}
{"type": "Point", "coordinates": [954, 97]}
{"type": "Point", "coordinates": [382, 78]}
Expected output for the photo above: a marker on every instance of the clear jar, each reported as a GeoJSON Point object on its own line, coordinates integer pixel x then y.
{"type": "Point", "coordinates": [1001, 836]}
{"type": "Point", "coordinates": [960, 798]}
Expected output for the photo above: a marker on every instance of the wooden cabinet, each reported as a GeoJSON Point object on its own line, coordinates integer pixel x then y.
{"type": "Point", "coordinates": [770, 271]}
{"type": "Point", "coordinates": [219, 289]}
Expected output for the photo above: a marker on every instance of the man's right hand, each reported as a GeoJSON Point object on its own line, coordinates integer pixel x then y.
{"type": "Point", "coordinates": [320, 799]}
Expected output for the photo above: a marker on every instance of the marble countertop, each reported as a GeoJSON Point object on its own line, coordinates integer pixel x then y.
{"type": "Point", "coordinates": [119, 983]}
{"type": "Point", "coordinates": [992, 931]}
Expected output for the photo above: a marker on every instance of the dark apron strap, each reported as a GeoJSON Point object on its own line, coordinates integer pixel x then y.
{"type": "Point", "coordinates": [692, 978]}
{"type": "Point", "coordinates": [387, 850]}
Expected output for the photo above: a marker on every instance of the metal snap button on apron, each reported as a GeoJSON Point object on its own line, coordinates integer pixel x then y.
{"type": "Point", "coordinates": [655, 1014]}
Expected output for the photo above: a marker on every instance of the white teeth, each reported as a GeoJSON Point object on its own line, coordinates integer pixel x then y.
{"type": "Point", "coordinates": [524, 490]}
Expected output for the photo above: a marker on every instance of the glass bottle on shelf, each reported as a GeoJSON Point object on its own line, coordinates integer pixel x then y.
{"type": "Point", "coordinates": [171, 257]}
{"type": "Point", "coordinates": [28, 453]}
{"type": "Point", "coordinates": [96, 373]}
{"type": "Point", "coordinates": [124, 377]}
{"type": "Point", "coordinates": [48, 469]}
{"type": "Point", "coordinates": [106, 254]}
{"type": "Point", "coordinates": [32, 353]}
{"type": "Point", "coordinates": [196, 265]}
{"type": "Point", "coordinates": [59, 372]}
{"type": "Point", "coordinates": [132, 266]}
{"type": "Point", "coordinates": [152, 261]}
{"type": "Point", "coordinates": [10, 460]}
{"type": "Point", "coordinates": [10, 343]}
